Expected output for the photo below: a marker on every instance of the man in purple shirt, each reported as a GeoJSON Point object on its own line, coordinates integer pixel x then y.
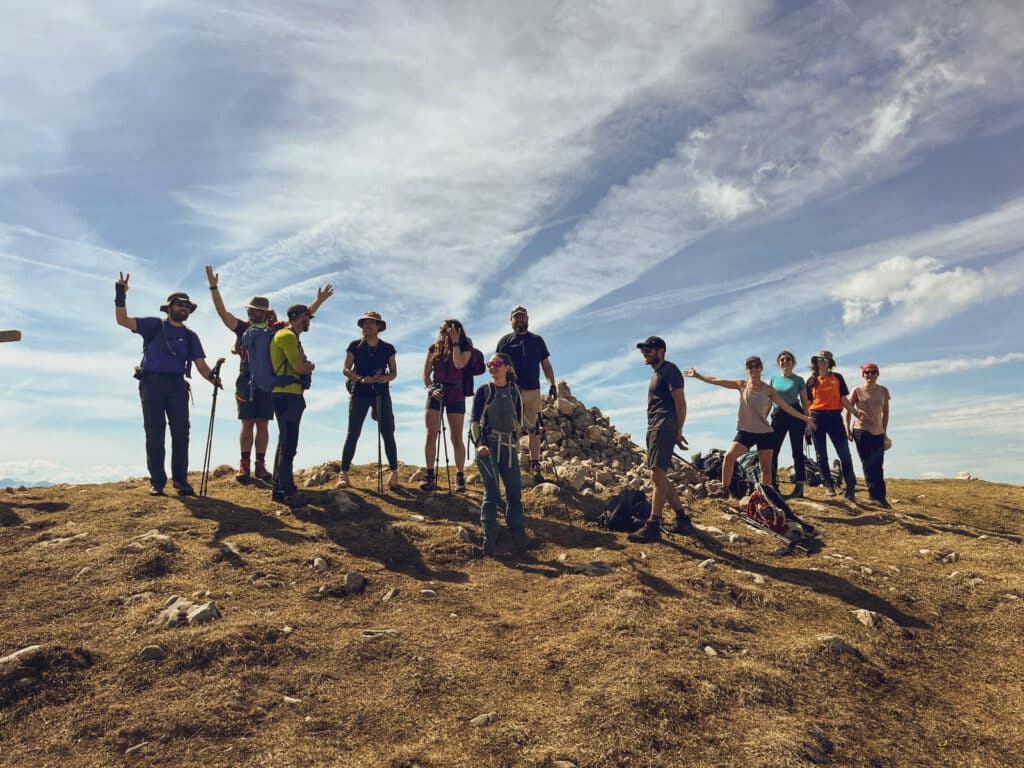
{"type": "Point", "coordinates": [168, 351]}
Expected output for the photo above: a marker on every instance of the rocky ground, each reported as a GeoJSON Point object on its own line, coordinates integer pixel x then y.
{"type": "Point", "coordinates": [367, 630]}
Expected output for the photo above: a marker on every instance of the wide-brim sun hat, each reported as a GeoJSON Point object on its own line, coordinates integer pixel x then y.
{"type": "Point", "coordinates": [381, 325]}
{"type": "Point", "coordinates": [178, 296]}
{"type": "Point", "coordinates": [261, 303]}
{"type": "Point", "coordinates": [824, 355]}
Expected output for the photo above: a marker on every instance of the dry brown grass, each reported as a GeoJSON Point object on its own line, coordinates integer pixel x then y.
{"type": "Point", "coordinates": [603, 671]}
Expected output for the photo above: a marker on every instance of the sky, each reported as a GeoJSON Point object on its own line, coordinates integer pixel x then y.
{"type": "Point", "coordinates": [738, 178]}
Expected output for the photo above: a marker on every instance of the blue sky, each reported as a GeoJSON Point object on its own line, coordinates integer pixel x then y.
{"type": "Point", "coordinates": [736, 177]}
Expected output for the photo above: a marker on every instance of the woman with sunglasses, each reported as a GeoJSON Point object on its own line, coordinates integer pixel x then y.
{"type": "Point", "coordinates": [829, 397]}
{"type": "Point", "coordinates": [870, 429]}
{"type": "Point", "coordinates": [494, 429]}
{"type": "Point", "coordinates": [752, 427]}
{"type": "Point", "coordinates": [442, 376]}
{"type": "Point", "coordinates": [792, 388]}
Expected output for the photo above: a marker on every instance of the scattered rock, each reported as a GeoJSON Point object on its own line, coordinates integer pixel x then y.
{"type": "Point", "coordinates": [204, 612]}
{"type": "Point", "coordinates": [707, 565]}
{"type": "Point", "coordinates": [129, 600]}
{"type": "Point", "coordinates": [368, 635]}
{"type": "Point", "coordinates": [562, 764]}
{"type": "Point", "coordinates": [485, 719]}
{"type": "Point", "coordinates": [152, 653]}
{"type": "Point", "coordinates": [867, 618]}
{"type": "Point", "coordinates": [316, 476]}
{"type": "Point", "coordinates": [709, 651]}
{"type": "Point", "coordinates": [229, 554]}
{"type": "Point", "coordinates": [180, 610]}
{"type": "Point", "coordinates": [8, 516]}
{"type": "Point", "coordinates": [355, 583]}
{"type": "Point", "coordinates": [428, 593]}
{"type": "Point", "coordinates": [757, 578]}
{"type": "Point", "coordinates": [465, 536]}
{"type": "Point", "coordinates": [547, 489]}
{"type": "Point", "coordinates": [222, 470]}
{"type": "Point", "coordinates": [965, 476]}
{"type": "Point", "coordinates": [82, 572]}
{"type": "Point", "coordinates": [593, 568]}
{"type": "Point", "coordinates": [320, 565]}
{"type": "Point", "coordinates": [291, 700]}
{"type": "Point", "coordinates": [974, 582]}
{"type": "Point", "coordinates": [949, 557]}
{"type": "Point", "coordinates": [23, 655]}
{"type": "Point", "coordinates": [343, 502]}
{"type": "Point", "coordinates": [136, 748]}
{"type": "Point", "coordinates": [390, 595]}
{"type": "Point", "coordinates": [418, 518]}
{"type": "Point", "coordinates": [418, 476]}
{"type": "Point", "coordinates": [266, 580]}
{"type": "Point", "coordinates": [840, 646]}
{"type": "Point", "coordinates": [62, 541]}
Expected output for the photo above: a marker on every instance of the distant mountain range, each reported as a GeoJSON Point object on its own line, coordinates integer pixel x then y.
{"type": "Point", "coordinates": [9, 482]}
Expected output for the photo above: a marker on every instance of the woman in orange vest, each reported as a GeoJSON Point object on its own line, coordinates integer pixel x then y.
{"type": "Point", "coordinates": [829, 397]}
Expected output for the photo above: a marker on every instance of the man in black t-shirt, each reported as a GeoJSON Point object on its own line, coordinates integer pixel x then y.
{"type": "Point", "coordinates": [529, 354]}
{"type": "Point", "coordinates": [666, 414]}
{"type": "Point", "coordinates": [370, 367]}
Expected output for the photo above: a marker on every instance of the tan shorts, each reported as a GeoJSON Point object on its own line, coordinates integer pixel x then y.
{"type": "Point", "coordinates": [532, 404]}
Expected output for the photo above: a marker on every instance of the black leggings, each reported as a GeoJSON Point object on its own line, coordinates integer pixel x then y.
{"type": "Point", "coordinates": [871, 449]}
{"type": "Point", "coordinates": [783, 424]}
{"type": "Point", "coordinates": [358, 406]}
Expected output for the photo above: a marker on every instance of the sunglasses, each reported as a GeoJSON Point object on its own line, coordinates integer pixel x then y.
{"type": "Point", "coordinates": [786, 360]}
{"type": "Point", "coordinates": [871, 372]}
{"type": "Point", "coordinates": [495, 364]}
{"type": "Point", "coordinates": [754, 367]}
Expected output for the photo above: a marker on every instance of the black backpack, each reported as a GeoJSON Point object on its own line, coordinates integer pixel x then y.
{"type": "Point", "coordinates": [626, 512]}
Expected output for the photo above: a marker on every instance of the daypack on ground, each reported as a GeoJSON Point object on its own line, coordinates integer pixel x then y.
{"type": "Point", "coordinates": [262, 375]}
{"type": "Point", "coordinates": [628, 511]}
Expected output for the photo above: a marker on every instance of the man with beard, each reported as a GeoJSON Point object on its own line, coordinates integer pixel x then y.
{"type": "Point", "coordinates": [168, 351]}
{"type": "Point", "coordinates": [255, 406]}
{"type": "Point", "coordinates": [529, 354]}
{"type": "Point", "coordinates": [666, 414]}
{"type": "Point", "coordinates": [287, 357]}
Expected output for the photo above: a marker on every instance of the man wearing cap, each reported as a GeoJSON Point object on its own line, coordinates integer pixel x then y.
{"type": "Point", "coordinates": [529, 354]}
{"type": "Point", "coordinates": [666, 414]}
{"type": "Point", "coordinates": [168, 351]}
{"type": "Point", "coordinates": [255, 406]}
{"type": "Point", "coordinates": [370, 367]}
{"type": "Point", "coordinates": [288, 357]}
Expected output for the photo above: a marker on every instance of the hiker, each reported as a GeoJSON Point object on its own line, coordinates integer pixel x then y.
{"type": "Point", "coordinates": [792, 388]}
{"type": "Point", "coordinates": [494, 428]}
{"type": "Point", "coordinates": [255, 406]}
{"type": "Point", "coordinates": [168, 351]}
{"type": "Point", "coordinates": [529, 354]}
{"type": "Point", "coordinates": [666, 414]}
{"type": "Point", "coordinates": [443, 377]}
{"type": "Point", "coordinates": [829, 397]}
{"type": "Point", "coordinates": [752, 427]}
{"type": "Point", "coordinates": [870, 431]}
{"type": "Point", "coordinates": [288, 358]}
{"type": "Point", "coordinates": [369, 367]}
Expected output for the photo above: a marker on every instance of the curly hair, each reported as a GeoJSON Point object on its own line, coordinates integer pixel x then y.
{"type": "Point", "coordinates": [442, 348]}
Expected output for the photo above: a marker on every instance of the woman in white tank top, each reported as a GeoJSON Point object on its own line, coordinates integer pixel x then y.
{"type": "Point", "coordinates": [752, 426]}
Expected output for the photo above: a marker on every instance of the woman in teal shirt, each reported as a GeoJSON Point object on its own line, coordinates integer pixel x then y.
{"type": "Point", "coordinates": [793, 390]}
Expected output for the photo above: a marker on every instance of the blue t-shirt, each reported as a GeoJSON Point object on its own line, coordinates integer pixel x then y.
{"type": "Point", "coordinates": [527, 350]}
{"type": "Point", "coordinates": [167, 348]}
{"type": "Point", "coordinates": [789, 388]}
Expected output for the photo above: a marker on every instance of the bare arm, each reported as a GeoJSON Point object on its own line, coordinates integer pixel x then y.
{"type": "Point", "coordinates": [207, 373]}
{"type": "Point", "coordinates": [428, 368]}
{"type": "Point", "coordinates": [777, 398]}
{"type": "Point", "coordinates": [549, 372]}
{"type": "Point", "coordinates": [392, 373]}
{"type": "Point", "coordinates": [885, 417]}
{"type": "Point", "coordinates": [347, 369]}
{"type": "Point", "coordinates": [120, 310]}
{"type": "Point", "coordinates": [218, 301]}
{"type": "Point", "coordinates": [679, 399]}
{"type": "Point", "coordinates": [726, 383]}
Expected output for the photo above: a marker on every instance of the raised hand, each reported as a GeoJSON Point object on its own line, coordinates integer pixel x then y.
{"type": "Point", "coordinates": [690, 372]}
{"type": "Point", "coordinates": [122, 281]}
{"type": "Point", "coordinates": [324, 293]}
{"type": "Point", "coordinates": [211, 276]}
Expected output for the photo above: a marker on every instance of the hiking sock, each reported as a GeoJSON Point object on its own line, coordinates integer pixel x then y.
{"type": "Point", "coordinates": [246, 455]}
{"type": "Point", "coordinates": [243, 469]}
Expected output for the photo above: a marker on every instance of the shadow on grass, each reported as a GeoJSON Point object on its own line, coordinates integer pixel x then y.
{"type": "Point", "coordinates": [232, 520]}
{"type": "Point", "coordinates": [42, 506]}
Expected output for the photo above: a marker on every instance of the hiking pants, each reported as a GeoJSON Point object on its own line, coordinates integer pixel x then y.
{"type": "Point", "coordinates": [358, 406]}
{"type": "Point", "coordinates": [830, 425]}
{"type": "Point", "coordinates": [288, 410]}
{"type": "Point", "coordinates": [871, 449]}
{"type": "Point", "coordinates": [503, 463]}
{"type": "Point", "coordinates": [164, 399]}
{"type": "Point", "coordinates": [783, 424]}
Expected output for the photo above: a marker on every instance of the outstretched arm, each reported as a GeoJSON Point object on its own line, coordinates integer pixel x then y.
{"type": "Point", "coordinates": [726, 383]}
{"type": "Point", "coordinates": [120, 310]}
{"type": "Point", "coordinates": [322, 295]}
{"type": "Point", "coordinates": [218, 302]}
{"type": "Point", "coordinates": [777, 398]}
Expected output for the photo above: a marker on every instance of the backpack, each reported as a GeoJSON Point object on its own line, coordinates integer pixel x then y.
{"type": "Point", "coordinates": [190, 335]}
{"type": "Point", "coordinates": [474, 367]}
{"type": "Point", "coordinates": [262, 375]}
{"type": "Point", "coordinates": [628, 511]}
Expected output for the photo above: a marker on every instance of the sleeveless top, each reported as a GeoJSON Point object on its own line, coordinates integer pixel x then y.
{"type": "Point", "coordinates": [753, 413]}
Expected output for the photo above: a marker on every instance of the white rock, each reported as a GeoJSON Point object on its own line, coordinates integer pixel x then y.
{"type": "Point", "coordinates": [418, 518]}
{"type": "Point", "coordinates": [866, 617]}
{"type": "Point", "coordinates": [390, 595]}
{"type": "Point", "coordinates": [951, 557]}
{"type": "Point", "coordinates": [319, 564]}
{"type": "Point", "coordinates": [866, 570]}
{"type": "Point", "coordinates": [376, 634]}
{"type": "Point", "coordinates": [737, 538]}
{"type": "Point", "coordinates": [976, 581]}
{"type": "Point", "coordinates": [205, 612]}
{"type": "Point", "coordinates": [428, 593]}
{"type": "Point", "coordinates": [464, 535]}
{"type": "Point", "coordinates": [26, 651]}
{"type": "Point", "coordinates": [354, 583]}
{"type": "Point", "coordinates": [707, 565]}
{"type": "Point", "coordinates": [485, 719]}
{"type": "Point", "coordinates": [152, 653]}
{"type": "Point", "coordinates": [954, 574]}
{"type": "Point", "coordinates": [563, 557]}
{"type": "Point", "coordinates": [924, 551]}
{"type": "Point", "coordinates": [291, 700]}
{"type": "Point", "coordinates": [709, 651]}
{"type": "Point", "coordinates": [62, 541]}
{"type": "Point", "coordinates": [287, 630]}
{"type": "Point", "coordinates": [562, 764]}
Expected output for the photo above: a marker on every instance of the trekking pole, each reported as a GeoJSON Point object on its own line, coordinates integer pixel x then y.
{"type": "Point", "coordinates": [380, 470]}
{"type": "Point", "coordinates": [204, 482]}
{"type": "Point", "coordinates": [444, 441]}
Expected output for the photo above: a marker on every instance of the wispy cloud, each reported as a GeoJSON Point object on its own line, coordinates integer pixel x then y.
{"type": "Point", "coordinates": [924, 369]}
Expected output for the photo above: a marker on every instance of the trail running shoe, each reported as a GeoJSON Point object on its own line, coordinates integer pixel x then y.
{"type": "Point", "coordinates": [430, 483]}
{"type": "Point", "coordinates": [460, 482]}
{"type": "Point", "coordinates": [184, 489]}
{"type": "Point", "coordinates": [651, 532]}
{"type": "Point", "coordinates": [243, 471]}
{"type": "Point", "coordinates": [683, 525]}
{"type": "Point", "coordinates": [261, 473]}
{"type": "Point", "coordinates": [537, 477]}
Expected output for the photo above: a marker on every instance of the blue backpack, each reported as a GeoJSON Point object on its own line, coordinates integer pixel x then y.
{"type": "Point", "coordinates": [262, 375]}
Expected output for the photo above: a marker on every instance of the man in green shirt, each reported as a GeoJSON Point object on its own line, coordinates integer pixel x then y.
{"type": "Point", "coordinates": [288, 359]}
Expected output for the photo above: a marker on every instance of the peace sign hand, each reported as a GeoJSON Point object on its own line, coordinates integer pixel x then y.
{"type": "Point", "coordinates": [211, 276]}
{"type": "Point", "coordinates": [122, 281]}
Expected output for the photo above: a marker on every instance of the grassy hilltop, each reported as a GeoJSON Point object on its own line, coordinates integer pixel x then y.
{"type": "Point", "coordinates": [753, 660]}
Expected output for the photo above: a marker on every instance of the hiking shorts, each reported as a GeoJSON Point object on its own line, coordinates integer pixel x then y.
{"type": "Point", "coordinates": [532, 404]}
{"type": "Point", "coordinates": [765, 441]}
{"type": "Point", "coordinates": [660, 444]}
{"type": "Point", "coordinates": [260, 406]}
{"type": "Point", "coordinates": [454, 400]}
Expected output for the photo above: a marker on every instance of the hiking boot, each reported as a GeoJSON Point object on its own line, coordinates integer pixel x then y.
{"type": "Point", "coordinates": [830, 490]}
{"type": "Point", "coordinates": [393, 480]}
{"type": "Point", "coordinates": [491, 550]}
{"type": "Point", "coordinates": [805, 528]}
{"type": "Point", "coordinates": [430, 483]}
{"type": "Point", "coordinates": [798, 491]}
{"type": "Point", "coordinates": [261, 472]}
{"type": "Point", "coordinates": [277, 496]}
{"type": "Point", "coordinates": [184, 489]}
{"type": "Point", "coordinates": [523, 541]}
{"type": "Point", "coordinates": [154, 491]}
{"type": "Point", "coordinates": [650, 533]}
{"type": "Point", "coordinates": [683, 525]}
{"type": "Point", "coordinates": [882, 503]}
{"type": "Point", "coordinates": [343, 481]}
{"type": "Point", "coordinates": [537, 477]}
{"type": "Point", "coordinates": [460, 482]}
{"type": "Point", "coordinates": [243, 471]}
{"type": "Point", "coordinates": [851, 496]}
{"type": "Point", "coordinates": [295, 500]}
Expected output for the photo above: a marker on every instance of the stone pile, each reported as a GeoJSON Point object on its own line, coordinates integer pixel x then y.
{"type": "Point", "coordinates": [591, 456]}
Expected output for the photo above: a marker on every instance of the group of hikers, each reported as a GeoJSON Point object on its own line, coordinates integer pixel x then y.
{"type": "Point", "coordinates": [274, 373]}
